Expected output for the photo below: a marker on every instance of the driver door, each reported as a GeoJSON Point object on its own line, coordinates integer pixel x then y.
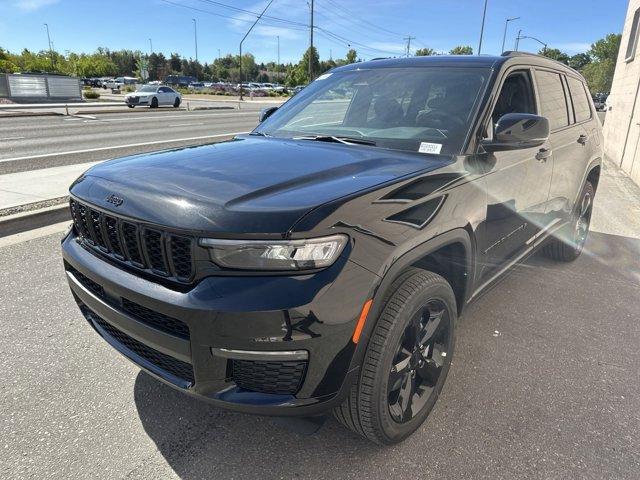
{"type": "Point", "coordinates": [517, 184]}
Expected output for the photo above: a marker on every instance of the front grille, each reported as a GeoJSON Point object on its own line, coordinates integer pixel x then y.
{"type": "Point", "coordinates": [134, 99]}
{"type": "Point", "coordinates": [166, 363]}
{"type": "Point", "coordinates": [157, 320]}
{"type": "Point", "coordinates": [284, 378]}
{"type": "Point", "coordinates": [160, 253]}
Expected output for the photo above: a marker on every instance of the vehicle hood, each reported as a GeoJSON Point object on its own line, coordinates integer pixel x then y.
{"type": "Point", "coordinates": [246, 185]}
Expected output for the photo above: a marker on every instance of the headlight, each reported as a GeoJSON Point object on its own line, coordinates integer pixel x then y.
{"type": "Point", "coordinates": [277, 254]}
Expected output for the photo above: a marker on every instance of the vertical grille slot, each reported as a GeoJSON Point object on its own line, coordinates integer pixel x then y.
{"type": "Point", "coordinates": [181, 256]}
{"type": "Point", "coordinates": [96, 227]}
{"type": "Point", "coordinates": [155, 250]}
{"type": "Point", "coordinates": [78, 221]}
{"type": "Point", "coordinates": [113, 236]}
{"type": "Point", "coordinates": [130, 235]}
{"type": "Point", "coordinates": [84, 221]}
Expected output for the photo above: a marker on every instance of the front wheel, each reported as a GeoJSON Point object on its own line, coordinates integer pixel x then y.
{"type": "Point", "coordinates": [568, 245]}
{"type": "Point", "coordinates": [406, 362]}
{"type": "Point", "coordinates": [130, 106]}
{"type": "Point", "coordinates": [154, 102]}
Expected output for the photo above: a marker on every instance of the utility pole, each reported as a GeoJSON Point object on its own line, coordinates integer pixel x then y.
{"type": "Point", "coordinates": [330, 54]}
{"type": "Point", "coordinates": [518, 40]}
{"type": "Point", "coordinates": [311, 46]}
{"type": "Point", "coordinates": [195, 36]}
{"type": "Point", "coordinates": [50, 47]}
{"type": "Point", "coordinates": [218, 53]}
{"type": "Point", "coordinates": [151, 45]}
{"type": "Point", "coordinates": [484, 15]}
{"type": "Point", "coordinates": [504, 35]}
{"type": "Point", "coordinates": [244, 38]}
{"type": "Point", "coordinates": [408, 39]}
{"type": "Point", "coordinates": [278, 64]}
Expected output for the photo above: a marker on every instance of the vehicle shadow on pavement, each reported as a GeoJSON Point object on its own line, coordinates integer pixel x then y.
{"type": "Point", "coordinates": [524, 397]}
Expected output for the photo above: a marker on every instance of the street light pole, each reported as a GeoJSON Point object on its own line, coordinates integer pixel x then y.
{"type": "Point", "coordinates": [278, 65]}
{"type": "Point", "coordinates": [518, 40]}
{"type": "Point", "coordinates": [151, 45]}
{"type": "Point", "coordinates": [195, 36]}
{"type": "Point", "coordinates": [50, 48]}
{"type": "Point", "coordinates": [544, 45]}
{"type": "Point", "coordinates": [311, 47]}
{"type": "Point", "coordinates": [484, 15]}
{"type": "Point", "coordinates": [504, 35]}
{"type": "Point", "coordinates": [244, 38]}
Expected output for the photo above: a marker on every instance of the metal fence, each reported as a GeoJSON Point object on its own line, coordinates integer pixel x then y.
{"type": "Point", "coordinates": [40, 87]}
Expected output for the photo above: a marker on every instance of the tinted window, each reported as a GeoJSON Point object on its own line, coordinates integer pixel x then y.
{"type": "Point", "coordinates": [515, 96]}
{"type": "Point", "coordinates": [552, 100]}
{"type": "Point", "coordinates": [397, 108]}
{"type": "Point", "coordinates": [580, 101]}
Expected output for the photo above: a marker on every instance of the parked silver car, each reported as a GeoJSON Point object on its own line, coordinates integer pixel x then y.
{"type": "Point", "coordinates": [153, 96]}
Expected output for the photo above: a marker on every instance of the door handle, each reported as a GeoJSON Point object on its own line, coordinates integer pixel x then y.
{"type": "Point", "coordinates": [543, 154]}
{"type": "Point", "coordinates": [582, 139]}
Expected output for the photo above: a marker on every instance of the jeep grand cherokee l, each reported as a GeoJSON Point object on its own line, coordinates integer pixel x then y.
{"type": "Point", "coordinates": [320, 263]}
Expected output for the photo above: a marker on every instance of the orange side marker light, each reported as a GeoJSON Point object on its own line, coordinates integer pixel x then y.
{"type": "Point", "coordinates": [363, 318]}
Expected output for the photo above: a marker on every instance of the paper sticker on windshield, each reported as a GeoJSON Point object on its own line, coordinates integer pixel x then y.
{"type": "Point", "coordinates": [326, 75]}
{"type": "Point", "coordinates": [426, 147]}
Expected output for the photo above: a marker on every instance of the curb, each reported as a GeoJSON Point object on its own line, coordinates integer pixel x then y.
{"type": "Point", "coordinates": [23, 221]}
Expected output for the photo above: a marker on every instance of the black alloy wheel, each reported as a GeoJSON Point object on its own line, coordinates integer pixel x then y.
{"type": "Point", "coordinates": [419, 361]}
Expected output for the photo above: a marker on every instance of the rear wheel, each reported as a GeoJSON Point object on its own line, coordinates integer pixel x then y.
{"type": "Point", "coordinates": [154, 102]}
{"type": "Point", "coordinates": [407, 360]}
{"type": "Point", "coordinates": [176, 102]}
{"type": "Point", "coordinates": [568, 245]}
{"type": "Point", "coordinates": [130, 106]}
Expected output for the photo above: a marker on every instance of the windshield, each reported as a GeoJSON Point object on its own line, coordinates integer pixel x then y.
{"type": "Point", "coordinates": [427, 109]}
{"type": "Point", "coordinates": [147, 88]}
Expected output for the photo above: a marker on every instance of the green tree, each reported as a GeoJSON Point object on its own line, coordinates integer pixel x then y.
{"type": "Point", "coordinates": [461, 50]}
{"type": "Point", "coordinates": [599, 73]}
{"type": "Point", "coordinates": [175, 63]}
{"type": "Point", "coordinates": [352, 56]}
{"type": "Point", "coordinates": [579, 60]}
{"type": "Point", "coordinates": [425, 52]}
{"type": "Point", "coordinates": [555, 54]}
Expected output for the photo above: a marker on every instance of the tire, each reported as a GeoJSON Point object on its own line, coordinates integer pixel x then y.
{"type": "Point", "coordinates": [569, 243]}
{"type": "Point", "coordinates": [130, 106]}
{"type": "Point", "coordinates": [176, 102]}
{"type": "Point", "coordinates": [154, 103]}
{"type": "Point", "coordinates": [375, 407]}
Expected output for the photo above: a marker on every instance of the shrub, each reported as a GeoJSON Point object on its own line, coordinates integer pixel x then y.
{"type": "Point", "coordinates": [91, 94]}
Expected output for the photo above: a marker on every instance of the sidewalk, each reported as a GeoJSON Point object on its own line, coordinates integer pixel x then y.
{"type": "Point", "coordinates": [38, 185]}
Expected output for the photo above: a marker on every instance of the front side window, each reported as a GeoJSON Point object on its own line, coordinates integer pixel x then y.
{"type": "Point", "coordinates": [397, 108]}
{"type": "Point", "coordinates": [553, 104]}
{"type": "Point", "coordinates": [581, 105]}
{"type": "Point", "coordinates": [516, 96]}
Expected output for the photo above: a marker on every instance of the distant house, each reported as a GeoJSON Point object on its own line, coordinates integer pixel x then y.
{"type": "Point", "coordinates": [622, 123]}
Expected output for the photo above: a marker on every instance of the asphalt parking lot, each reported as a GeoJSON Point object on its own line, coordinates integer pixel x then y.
{"type": "Point", "coordinates": [545, 383]}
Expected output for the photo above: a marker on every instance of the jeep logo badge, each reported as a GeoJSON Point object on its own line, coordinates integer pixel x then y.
{"type": "Point", "coordinates": [115, 200]}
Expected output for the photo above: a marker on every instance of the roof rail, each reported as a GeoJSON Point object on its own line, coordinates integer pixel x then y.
{"type": "Point", "coordinates": [515, 53]}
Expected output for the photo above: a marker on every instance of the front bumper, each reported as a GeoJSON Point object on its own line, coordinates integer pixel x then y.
{"type": "Point", "coordinates": [273, 345]}
{"type": "Point", "coordinates": [136, 101]}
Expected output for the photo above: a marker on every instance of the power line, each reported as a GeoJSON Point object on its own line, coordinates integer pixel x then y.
{"type": "Point", "coordinates": [357, 15]}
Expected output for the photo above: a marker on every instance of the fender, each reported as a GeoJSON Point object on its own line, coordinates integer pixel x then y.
{"type": "Point", "coordinates": [380, 291]}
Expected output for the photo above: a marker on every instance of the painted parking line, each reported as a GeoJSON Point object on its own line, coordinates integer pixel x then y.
{"type": "Point", "coordinates": [117, 147]}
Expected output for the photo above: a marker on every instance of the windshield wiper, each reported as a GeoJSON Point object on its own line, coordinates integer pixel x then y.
{"type": "Point", "coordinates": [261, 134]}
{"type": "Point", "coordinates": [337, 139]}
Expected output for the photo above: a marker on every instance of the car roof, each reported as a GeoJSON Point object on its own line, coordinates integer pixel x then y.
{"type": "Point", "coordinates": [486, 61]}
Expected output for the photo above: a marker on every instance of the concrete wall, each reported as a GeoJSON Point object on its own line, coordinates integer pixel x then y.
{"type": "Point", "coordinates": [622, 124]}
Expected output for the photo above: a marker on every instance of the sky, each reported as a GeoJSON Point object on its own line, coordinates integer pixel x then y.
{"type": "Point", "coordinates": [373, 28]}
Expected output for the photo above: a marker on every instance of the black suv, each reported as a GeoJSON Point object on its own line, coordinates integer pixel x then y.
{"type": "Point", "coordinates": [320, 262]}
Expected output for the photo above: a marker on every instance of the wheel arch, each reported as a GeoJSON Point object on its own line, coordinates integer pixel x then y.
{"type": "Point", "coordinates": [450, 255]}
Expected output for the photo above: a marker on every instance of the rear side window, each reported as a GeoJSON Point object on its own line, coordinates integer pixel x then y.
{"type": "Point", "coordinates": [553, 104]}
{"type": "Point", "coordinates": [581, 106]}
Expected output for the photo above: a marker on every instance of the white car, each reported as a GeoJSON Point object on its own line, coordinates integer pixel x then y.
{"type": "Point", "coordinates": [154, 96]}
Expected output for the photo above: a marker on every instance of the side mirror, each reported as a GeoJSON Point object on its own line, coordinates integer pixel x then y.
{"type": "Point", "coordinates": [518, 130]}
{"type": "Point", "coordinates": [266, 113]}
